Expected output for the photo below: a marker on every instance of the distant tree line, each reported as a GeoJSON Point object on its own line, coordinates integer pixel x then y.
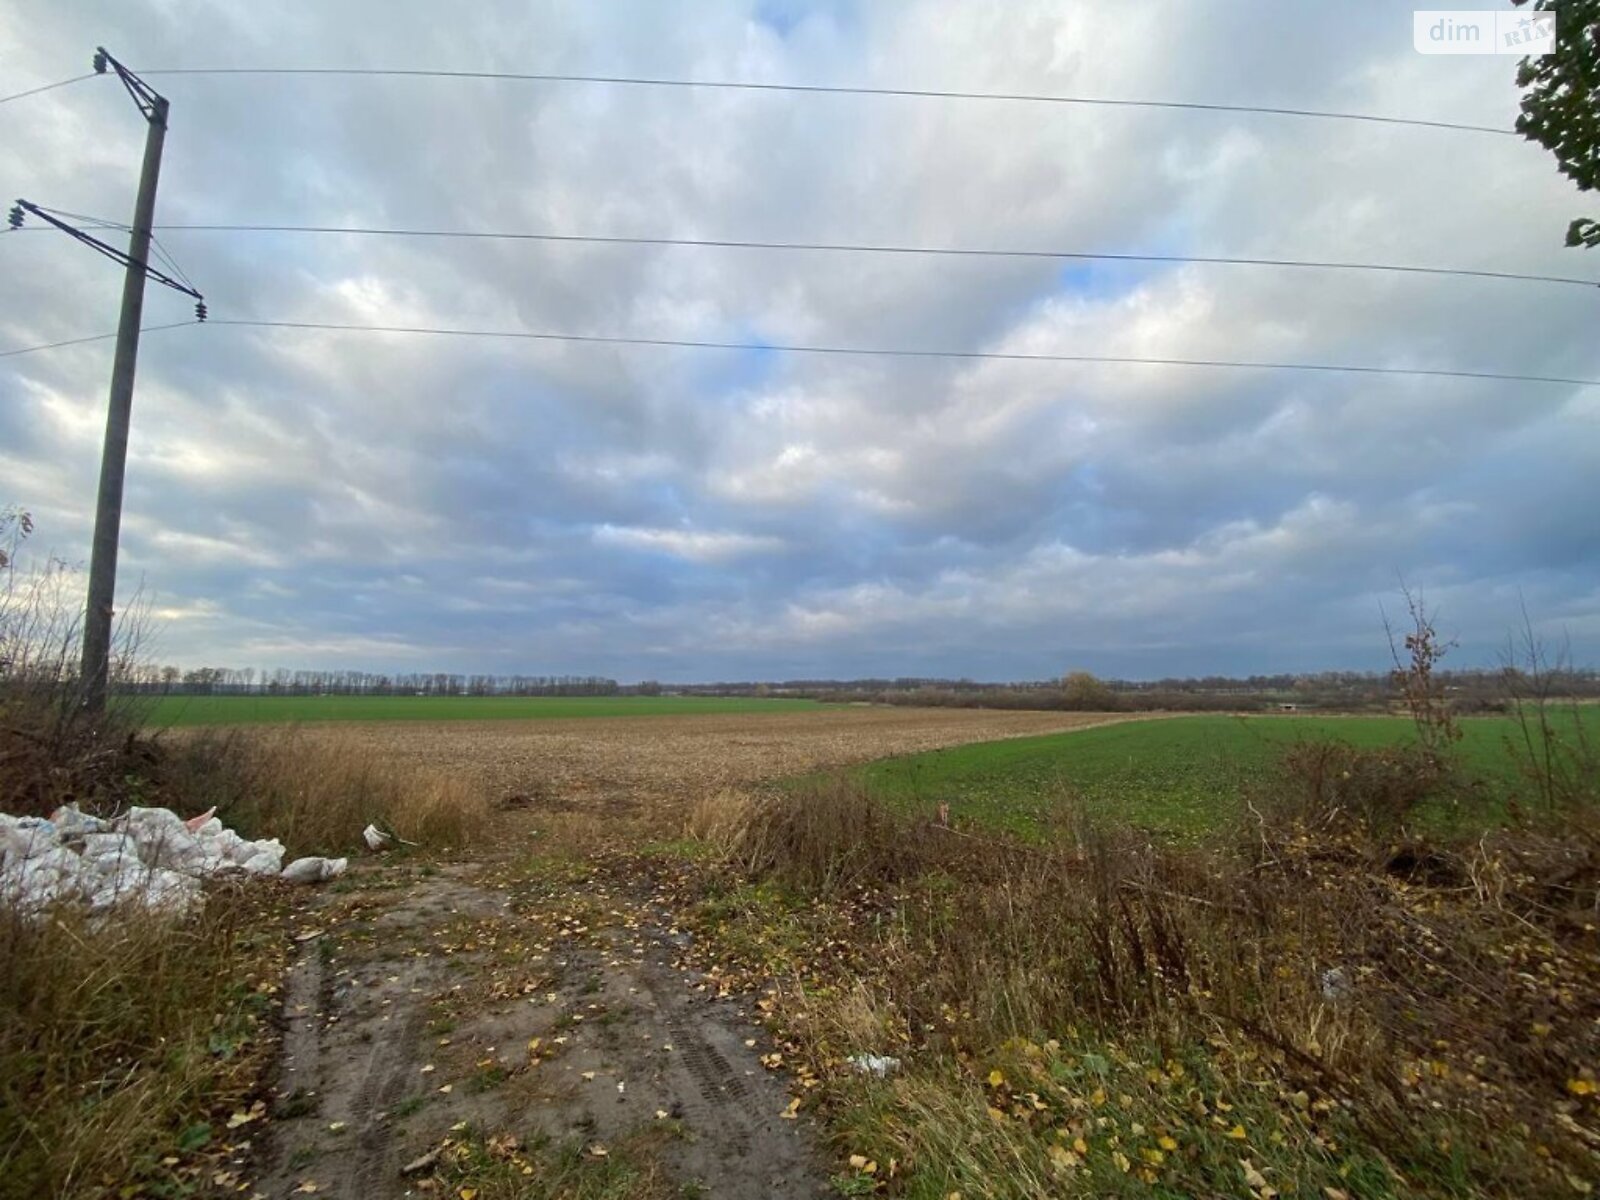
{"type": "Point", "coordinates": [1342, 691]}
{"type": "Point", "coordinates": [249, 681]}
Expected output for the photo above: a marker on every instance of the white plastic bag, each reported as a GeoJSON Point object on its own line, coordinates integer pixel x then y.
{"type": "Point", "coordinates": [23, 837]}
{"type": "Point", "coordinates": [35, 883]}
{"type": "Point", "coordinates": [71, 823]}
{"type": "Point", "coordinates": [164, 840]}
{"type": "Point", "coordinates": [315, 870]}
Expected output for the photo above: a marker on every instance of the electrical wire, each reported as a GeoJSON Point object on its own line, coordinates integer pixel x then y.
{"type": "Point", "coordinates": [867, 248]}
{"type": "Point", "coordinates": [889, 352]}
{"type": "Point", "coordinates": [840, 90]}
{"type": "Point", "coordinates": [856, 351]}
{"type": "Point", "coordinates": [49, 87]}
{"type": "Point", "coordinates": [83, 341]}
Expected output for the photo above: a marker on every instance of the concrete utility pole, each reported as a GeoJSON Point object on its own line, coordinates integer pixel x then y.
{"type": "Point", "coordinates": [96, 669]}
{"type": "Point", "coordinates": [114, 457]}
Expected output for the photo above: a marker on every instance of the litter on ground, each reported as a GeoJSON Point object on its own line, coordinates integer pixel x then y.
{"type": "Point", "coordinates": [147, 857]}
{"type": "Point", "coordinates": [881, 1065]}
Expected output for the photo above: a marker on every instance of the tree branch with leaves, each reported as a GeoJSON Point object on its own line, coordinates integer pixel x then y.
{"type": "Point", "coordinates": [1561, 101]}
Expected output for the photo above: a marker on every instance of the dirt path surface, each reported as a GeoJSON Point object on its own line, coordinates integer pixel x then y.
{"type": "Point", "coordinates": [613, 761]}
{"type": "Point", "coordinates": [490, 1019]}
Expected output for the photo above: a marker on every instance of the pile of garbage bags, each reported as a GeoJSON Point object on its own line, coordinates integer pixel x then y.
{"type": "Point", "coordinates": [148, 857]}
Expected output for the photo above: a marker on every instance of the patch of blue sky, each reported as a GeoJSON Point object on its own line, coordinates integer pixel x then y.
{"type": "Point", "coordinates": [783, 17]}
{"type": "Point", "coordinates": [731, 375]}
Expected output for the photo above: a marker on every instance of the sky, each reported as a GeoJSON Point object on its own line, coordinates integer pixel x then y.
{"type": "Point", "coordinates": [401, 502]}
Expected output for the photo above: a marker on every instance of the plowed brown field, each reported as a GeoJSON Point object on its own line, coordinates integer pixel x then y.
{"type": "Point", "coordinates": [621, 762]}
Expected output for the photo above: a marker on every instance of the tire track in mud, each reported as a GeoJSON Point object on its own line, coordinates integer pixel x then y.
{"type": "Point", "coordinates": [353, 1039]}
{"type": "Point", "coordinates": [640, 1040]}
{"type": "Point", "coordinates": [391, 1063]}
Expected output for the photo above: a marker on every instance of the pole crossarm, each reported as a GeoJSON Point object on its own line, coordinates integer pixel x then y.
{"type": "Point", "coordinates": [111, 252]}
{"type": "Point", "coordinates": [151, 102]}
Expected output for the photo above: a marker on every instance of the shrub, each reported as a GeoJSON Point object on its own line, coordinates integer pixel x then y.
{"type": "Point", "coordinates": [1325, 784]}
{"type": "Point", "coordinates": [1081, 690]}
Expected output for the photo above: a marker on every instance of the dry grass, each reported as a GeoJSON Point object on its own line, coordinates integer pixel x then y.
{"type": "Point", "coordinates": [661, 765]}
{"type": "Point", "coordinates": [317, 794]}
{"type": "Point", "coordinates": [117, 1037]}
{"type": "Point", "coordinates": [724, 820]}
{"type": "Point", "coordinates": [1422, 1018]}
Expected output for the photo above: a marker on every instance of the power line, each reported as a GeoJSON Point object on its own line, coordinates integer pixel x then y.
{"type": "Point", "coordinates": [83, 341]}
{"type": "Point", "coordinates": [859, 351]}
{"type": "Point", "coordinates": [866, 248]}
{"type": "Point", "coordinates": [46, 88]}
{"type": "Point", "coordinates": [888, 352]}
{"type": "Point", "coordinates": [839, 90]}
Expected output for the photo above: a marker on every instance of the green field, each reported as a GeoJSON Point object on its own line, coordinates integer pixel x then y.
{"type": "Point", "coordinates": [1179, 776]}
{"type": "Point", "coordinates": [167, 712]}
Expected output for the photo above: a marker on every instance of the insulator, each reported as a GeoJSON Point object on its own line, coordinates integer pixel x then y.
{"type": "Point", "coordinates": [200, 310]}
{"type": "Point", "coordinates": [99, 62]}
{"type": "Point", "coordinates": [15, 216]}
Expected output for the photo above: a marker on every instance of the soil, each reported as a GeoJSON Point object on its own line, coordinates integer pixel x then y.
{"type": "Point", "coordinates": [628, 1040]}
{"type": "Point", "coordinates": [626, 762]}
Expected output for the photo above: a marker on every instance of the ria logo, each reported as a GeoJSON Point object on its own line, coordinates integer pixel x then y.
{"type": "Point", "coordinates": [1474, 31]}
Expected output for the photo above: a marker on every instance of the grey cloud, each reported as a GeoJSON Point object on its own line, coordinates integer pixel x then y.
{"type": "Point", "coordinates": [376, 500]}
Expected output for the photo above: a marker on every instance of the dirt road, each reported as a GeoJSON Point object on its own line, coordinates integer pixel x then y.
{"type": "Point", "coordinates": [486, 1027]}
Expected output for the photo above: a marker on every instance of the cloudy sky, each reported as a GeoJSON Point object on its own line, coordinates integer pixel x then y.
{"type": "Point", "coordinates": [407, 502]}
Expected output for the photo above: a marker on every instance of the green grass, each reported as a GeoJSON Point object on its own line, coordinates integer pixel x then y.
{"type": "Point", "coordinates": [1179, 776]}
{"type": "Point", "coordinates": [170, 711]}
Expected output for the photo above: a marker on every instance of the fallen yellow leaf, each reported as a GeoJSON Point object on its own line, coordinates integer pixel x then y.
{"type": "Point", "coordinates": [1166, 1143]}
{"type": "Point", "coordinates": [1063, 1158]}
{"type": "Point", "coordinates": [996, 1079]}
{"type": "Point", "coordinates": [1581, 1087]}
{"type": "Point", "coordinates": [1237, 1133]}
{"type": "Point", "coordinates": [1253, 1178]}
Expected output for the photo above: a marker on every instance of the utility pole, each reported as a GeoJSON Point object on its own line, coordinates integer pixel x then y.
{"type": "Point", "coordinates": [96, 668]}
{"type": "Point", "coordinates": [114, 457]}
